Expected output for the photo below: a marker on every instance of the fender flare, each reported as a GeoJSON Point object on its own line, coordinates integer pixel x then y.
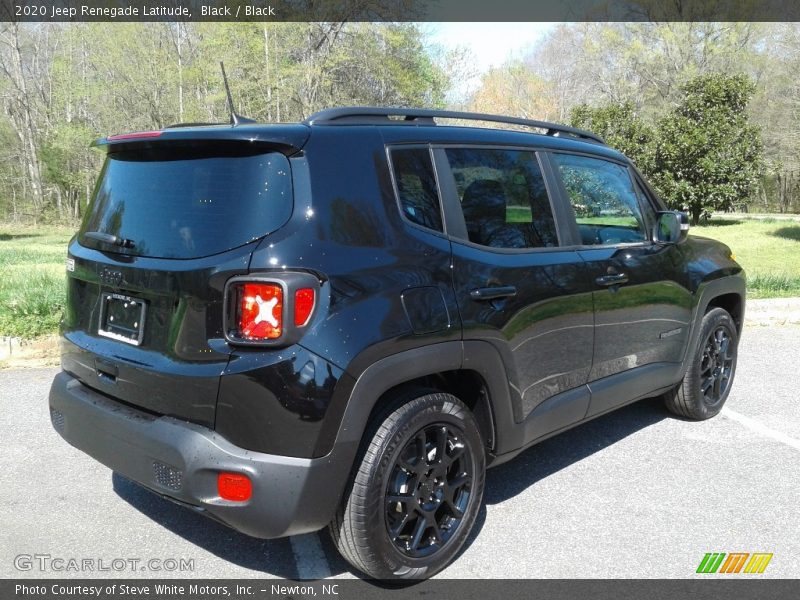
{"type": "Point", "coordinates": [396, 369]}
{"type": "Point", "coordinates": [706, 292]}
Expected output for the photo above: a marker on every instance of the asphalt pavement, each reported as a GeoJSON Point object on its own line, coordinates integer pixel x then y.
{"type": "Point", "coordinates": [637, 493]}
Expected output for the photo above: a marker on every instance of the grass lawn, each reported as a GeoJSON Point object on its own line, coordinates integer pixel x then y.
{"type": "Point", "coordinates": [32, 267]}
{"type": "Point", "coordinates": [32, 279]}
{"type": "Point", "coordinates": [769, 251]}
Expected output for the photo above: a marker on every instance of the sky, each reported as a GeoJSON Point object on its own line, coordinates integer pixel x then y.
{"type": "Point", "coordinates": [491, 43]}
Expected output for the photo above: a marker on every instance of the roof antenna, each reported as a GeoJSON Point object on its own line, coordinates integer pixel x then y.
{"type": "Point", "coordinates": [235, 119]}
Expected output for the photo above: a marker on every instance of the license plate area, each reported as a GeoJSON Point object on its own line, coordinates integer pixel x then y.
{"type": "Point", "coordinates": [122, 318]}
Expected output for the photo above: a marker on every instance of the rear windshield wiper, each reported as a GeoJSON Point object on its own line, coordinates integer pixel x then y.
{"type": "Point", "coordinates": [109, 238]}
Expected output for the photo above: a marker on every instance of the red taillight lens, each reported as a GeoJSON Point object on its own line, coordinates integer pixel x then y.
{"type": "Point", "coordinates": [303, 305]}
{"type": "Point", "coordinates": [261, 311]}
{"type": "Point", "coordinates": [234, 486]}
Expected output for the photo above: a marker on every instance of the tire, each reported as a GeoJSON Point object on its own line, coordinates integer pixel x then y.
{"type": "Point", "coordinates": [404, 459]}
{"type": "Point", "coordinates": [708, 380]}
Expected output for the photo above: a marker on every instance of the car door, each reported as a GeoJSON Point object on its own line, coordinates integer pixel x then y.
{"type": "Point", "coordinates": [517, 288]}
{"type": "Point", "coordinates": [642, 306]}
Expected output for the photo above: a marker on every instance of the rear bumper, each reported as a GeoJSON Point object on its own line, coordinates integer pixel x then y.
{"type": "Point", "coordinates": [181, 460]}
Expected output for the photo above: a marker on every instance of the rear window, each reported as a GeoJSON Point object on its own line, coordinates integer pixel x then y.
{"type": "Point", "coordinates": [182, 203]}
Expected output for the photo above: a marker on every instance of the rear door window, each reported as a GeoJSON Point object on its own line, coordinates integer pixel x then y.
{"type": "Point", "coordinates": [503, 197]}
{"type": "Point", "coordinates": [188, 203]}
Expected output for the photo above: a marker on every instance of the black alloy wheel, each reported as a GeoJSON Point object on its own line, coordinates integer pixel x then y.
{"type": "Point", "coordinates": [716, 365]}
{"type": "Point", "coordinates": [416, 490]}
{"type": "Point", "coordinates": [428, 491]}
{"type": "Point", "coordinates": [712, 366]}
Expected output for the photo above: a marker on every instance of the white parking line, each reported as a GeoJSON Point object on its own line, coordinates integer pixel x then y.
{"type": "Point", "coordinates": [761, 429]}
{"type": "Point", "coordinates": [309, 557]}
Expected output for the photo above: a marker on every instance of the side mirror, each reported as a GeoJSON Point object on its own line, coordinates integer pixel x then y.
{"type": "Point", "coordinates": [671, 227]}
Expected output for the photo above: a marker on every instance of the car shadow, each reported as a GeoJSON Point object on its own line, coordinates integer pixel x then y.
{"type": "Point", "coordinates": [721, 222]}
{"type": "Point", "coordinates": [502, 483]}
{"type": "Point", "coordinates": [550, 456]}
{"type": "Point", "coordinates": [788, 233]}
{"type": "Point", "coordinates": [544, 459]}
{"type": "Point", "coordinates": [272, 557]}
{"type": "Point", "coordinates": [7, 237]}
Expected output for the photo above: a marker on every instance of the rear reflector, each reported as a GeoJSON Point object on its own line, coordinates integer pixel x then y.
{"type": "Point", "coordinates": [134, 136]}
{"type": "Point", "coordinates": [261, 311]}
{"type": "Point", "coordinates": [234, 486]}
{"type": "Point", "coordinates": [303, 305]}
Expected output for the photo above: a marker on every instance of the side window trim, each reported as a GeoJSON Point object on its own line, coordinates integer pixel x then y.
{"type": "Point", "coordinates": [645, 204]}
{"type": "Point", "coordinates": [396, 188]}
{"type": "Point", "coordinates": [566, 222]}
{"type": "Point", "coordinates": [650, 193]}
{"type": "Point", "coordinates": [454, 222]}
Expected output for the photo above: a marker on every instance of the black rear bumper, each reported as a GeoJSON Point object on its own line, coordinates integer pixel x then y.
{"type": "Point", "coordinates": [181, 460]}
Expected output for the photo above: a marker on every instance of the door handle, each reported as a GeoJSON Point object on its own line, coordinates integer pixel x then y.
{"type": "Point", "coordinates": [612, 279]}
{"type": "Point", "coordinates": [493, 293]}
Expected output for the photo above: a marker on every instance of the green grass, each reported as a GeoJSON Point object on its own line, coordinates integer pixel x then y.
{"type": "Point", "coordinates": [32, 267]}
{"type": "Point", "coordinates": [769, 251]}
{"type": "Point", "coordinates": [32, 283]}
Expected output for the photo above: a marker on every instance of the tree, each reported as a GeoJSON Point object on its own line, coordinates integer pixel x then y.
{"type": "Point", "coordinates": [61, 85]}
{"type": "Point", "coordinates": [515, 90]}
{"type": "Point", "coordinates": [622, 128]}
{"type": "Point", "coordinates": [707, 154]}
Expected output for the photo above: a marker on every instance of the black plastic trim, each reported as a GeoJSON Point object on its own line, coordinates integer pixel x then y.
{"type": "Point", "coordinates": [290, 495]}
{"type": "Point", "coordinates": [412, 116]}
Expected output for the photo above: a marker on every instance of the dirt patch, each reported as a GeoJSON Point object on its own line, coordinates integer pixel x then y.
{"type": "Point", "coordinates": [16, 353]}
{"type": "Point", "coordinates": [773, 311]}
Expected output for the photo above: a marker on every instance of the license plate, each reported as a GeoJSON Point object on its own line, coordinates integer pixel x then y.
{"type": "Point", "coordinates": [122, 318]}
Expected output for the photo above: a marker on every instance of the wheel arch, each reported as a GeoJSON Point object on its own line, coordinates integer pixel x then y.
{"type": "Point", "coordinates": [471, 371]}
{"type": "Point", "coordinates": [733, 303]}
{"type": "Point", "coordinates": [725, 292]}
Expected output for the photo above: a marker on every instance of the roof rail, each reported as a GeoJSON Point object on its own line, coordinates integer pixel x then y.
{"type": "Point", "coordinates": [364, 115]}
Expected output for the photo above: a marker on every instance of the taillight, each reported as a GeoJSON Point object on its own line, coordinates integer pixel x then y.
{"type": "Point", "coordinates": [303, 305]}
{"type": "Point", "coordinates": [261, 311]}
{"type": "Point", "coordinates": [270, 310]}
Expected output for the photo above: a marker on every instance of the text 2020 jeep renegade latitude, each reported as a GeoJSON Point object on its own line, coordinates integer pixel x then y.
{"type": "Point", "coordinates": [343, 322]}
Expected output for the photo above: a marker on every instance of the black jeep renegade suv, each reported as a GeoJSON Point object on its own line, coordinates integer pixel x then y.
{"type": "Point", "coordinates": [343, 322]}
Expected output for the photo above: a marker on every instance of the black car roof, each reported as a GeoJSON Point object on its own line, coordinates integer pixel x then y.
{"type": "Point", "coordinates": [397, 125]}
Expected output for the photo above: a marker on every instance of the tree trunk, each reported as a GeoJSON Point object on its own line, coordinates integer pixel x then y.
{"type": "Point", "coordinates": [23, 121]}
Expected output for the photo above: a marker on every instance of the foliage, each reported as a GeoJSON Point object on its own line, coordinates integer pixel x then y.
{"type": "Point", "coordinates": [708, 157]}
{"type": "Point", "coordinates": [703, 156]}
{"type": "Point", "coordinates": [32, 287]}
{"type": "Point", "coordinates": [512, 89]}
{"type": "Point", "coordinates": [84, 80]}
{"type": "Point", "coordinates": [622, 128]}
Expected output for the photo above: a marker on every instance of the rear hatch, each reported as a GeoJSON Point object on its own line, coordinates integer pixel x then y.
{"type": "Point", "coordinates": [172, 218]}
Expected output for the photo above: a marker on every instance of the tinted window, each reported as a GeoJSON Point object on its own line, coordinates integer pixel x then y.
{"type": "Point", "coordinates": [416, 187]}
{"type": "Point", "coordinates": [503, 198]}
{"type": "Point", "coordinates": [188, 203]}
{"type": "Point", "coordinates": [603, 198]}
